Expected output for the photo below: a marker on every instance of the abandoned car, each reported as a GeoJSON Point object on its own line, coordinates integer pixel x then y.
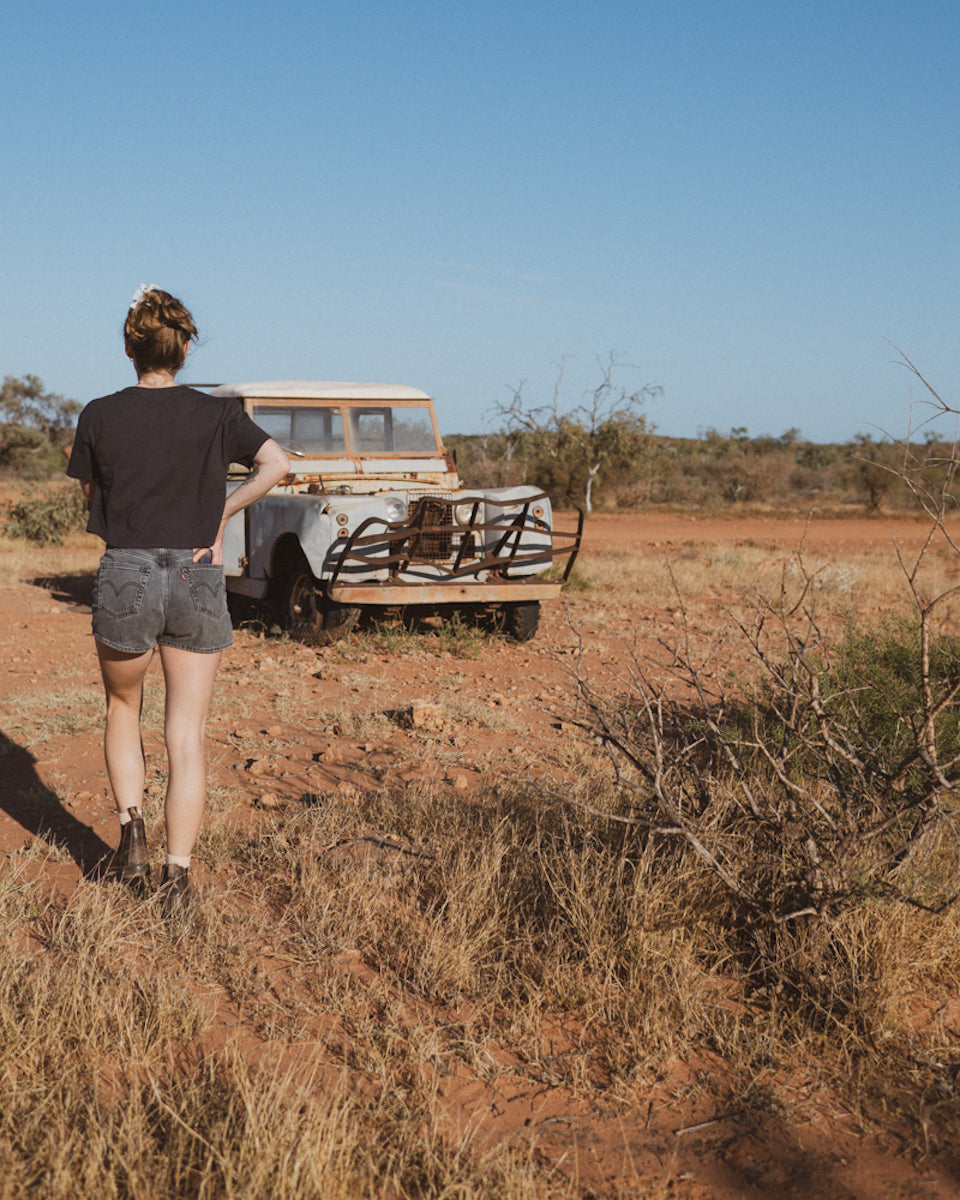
{"type": "Point", "coordinates": [373, 516]}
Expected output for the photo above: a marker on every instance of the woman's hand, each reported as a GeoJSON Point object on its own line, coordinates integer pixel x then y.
{"type": "Point", "coordinates": [210, 555]}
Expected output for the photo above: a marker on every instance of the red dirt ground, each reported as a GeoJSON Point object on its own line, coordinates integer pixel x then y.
{"type": "Point", "coordinates": [677, 1130]}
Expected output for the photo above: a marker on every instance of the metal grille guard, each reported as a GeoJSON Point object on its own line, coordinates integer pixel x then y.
{"type": "Point", "coordinates": [403, 541]}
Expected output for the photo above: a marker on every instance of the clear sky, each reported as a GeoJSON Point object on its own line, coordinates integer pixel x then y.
{"type": "Point", "coordinates": [741, 199]}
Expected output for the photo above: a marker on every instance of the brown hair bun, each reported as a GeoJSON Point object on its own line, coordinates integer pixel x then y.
{"type": "Point", "coordinates": [157, 331]}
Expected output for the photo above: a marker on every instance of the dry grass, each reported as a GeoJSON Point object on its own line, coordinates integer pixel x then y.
{"type": "Point", "coordinates": [54, 712]}
{"type": "Point", "coordinates": [400, 943]}
{"type": "Point", "coordinates": [111, 1087]}
{"type": "Point", "coordinates": [78, 555]}
{"type": "Point", "coordinates": [349, 963]}
{"type": "Point", "coordinates": [863, 580]}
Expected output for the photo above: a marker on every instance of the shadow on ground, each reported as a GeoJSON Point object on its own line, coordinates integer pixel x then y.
{"type": "Point", "coordinates": [76, 590]}
{"type": "Point", "coordinates": [32, 804]}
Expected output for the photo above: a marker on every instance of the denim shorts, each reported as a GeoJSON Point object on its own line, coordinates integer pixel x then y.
{"type": "Point", "coordinates": [142, 598]}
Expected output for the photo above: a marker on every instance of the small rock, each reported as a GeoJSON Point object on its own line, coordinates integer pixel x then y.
{"type": "Point", "coordinates": [422, 714]}
{"type": "Point", "coordinates": [267, 800]}
{"type": "Point", "coordinates": [260, 767]}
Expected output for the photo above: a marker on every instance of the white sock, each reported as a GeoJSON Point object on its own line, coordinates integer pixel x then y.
{"type": "Point", "coordinates": [125, 817]}
{"type": "Point", "coordinates": [179, 860]}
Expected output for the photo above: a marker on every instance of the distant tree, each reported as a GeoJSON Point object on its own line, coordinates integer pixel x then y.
{"type": "Point", "coordinates": [34, 426]}
{"type": "Point", "coordinates": [486, 459]}
{"type": "Point", "coordinates": [569, 450]}
{"type": "Point", "coordinates": [877, 467]}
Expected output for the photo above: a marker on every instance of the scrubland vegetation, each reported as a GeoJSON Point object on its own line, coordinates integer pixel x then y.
{"type": "Point", "coordinates": [604, 453]}
{"type": "Point", "coordinates": [717, 472]}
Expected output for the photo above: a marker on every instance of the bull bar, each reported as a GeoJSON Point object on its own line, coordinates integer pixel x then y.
{"type": "Point", "coordinates": [455, 554]}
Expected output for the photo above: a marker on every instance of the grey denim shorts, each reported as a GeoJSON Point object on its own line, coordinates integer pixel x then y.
{"type": "Point", "coordinates": [142, 598]}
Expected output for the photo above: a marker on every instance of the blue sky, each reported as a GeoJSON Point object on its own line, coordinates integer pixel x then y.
{"type": "Point", "coordinates": [741, 200]}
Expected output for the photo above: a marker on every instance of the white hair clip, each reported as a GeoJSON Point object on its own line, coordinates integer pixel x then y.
{"type": "Point", "coordinates": [141, 291]}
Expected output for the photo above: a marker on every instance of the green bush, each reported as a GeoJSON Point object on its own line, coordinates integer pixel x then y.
{"type": "Point", "coordinates": [872, 694]}
{"type": "Point", "coordinates": [879, 682]}
{"type": "Point", "coordinates": [47, 516]}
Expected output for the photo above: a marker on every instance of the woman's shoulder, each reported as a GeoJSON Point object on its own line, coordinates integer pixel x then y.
{"type": "Point", "coordinates": [109, 398]}
{"type": "Point", "coordinates": [129, 396]}
{"type": "Point", "coordinates": [101, 406]}
{"type": "Point", "coordinates": [185, 391]}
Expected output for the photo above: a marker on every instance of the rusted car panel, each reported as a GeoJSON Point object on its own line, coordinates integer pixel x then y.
{"type": "Point", "coordinates": [433, 595]}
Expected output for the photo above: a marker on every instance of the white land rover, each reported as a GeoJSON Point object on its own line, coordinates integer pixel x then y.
{"type": "Point", "coordinates": [373, 514]}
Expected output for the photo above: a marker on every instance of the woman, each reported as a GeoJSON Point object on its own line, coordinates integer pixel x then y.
{"type": "Point", "coordinates": [152, 461]}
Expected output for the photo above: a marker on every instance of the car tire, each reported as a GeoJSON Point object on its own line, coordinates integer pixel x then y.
{"type": "Point", "coordinates": [309, 616]}
{"type": "Point", "coordinates": [520, 620]}
{"type": "Point", "coordinates": [244, 611]}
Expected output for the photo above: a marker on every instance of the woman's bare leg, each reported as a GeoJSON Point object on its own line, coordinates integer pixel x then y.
{"type": "Point", "coordinates": [189, 678]}
{"type": "Point", "coordinates": [122, 748]}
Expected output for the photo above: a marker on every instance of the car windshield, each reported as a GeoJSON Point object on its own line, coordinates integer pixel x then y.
{"type": "Point", "coordinates": [383, 429]}
{"type": "Point", "coordinates": [370, 429]}
{"type": "Point", "coordinates": [308, 430]}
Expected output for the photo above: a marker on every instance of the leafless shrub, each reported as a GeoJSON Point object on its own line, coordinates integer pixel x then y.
{"type": "Point", "coordinates": [833, 785]}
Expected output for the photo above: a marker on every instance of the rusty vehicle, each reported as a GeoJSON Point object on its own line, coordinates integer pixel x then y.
{"type": "Point", "coordinates": [373, 517]}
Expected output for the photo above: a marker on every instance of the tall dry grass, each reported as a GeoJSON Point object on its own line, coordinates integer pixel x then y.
{"type": "Point", "coordinates": [298, 1035]}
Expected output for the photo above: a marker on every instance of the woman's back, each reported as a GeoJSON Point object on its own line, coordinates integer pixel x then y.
{"type": "Point", "coordinates": [160, 458]}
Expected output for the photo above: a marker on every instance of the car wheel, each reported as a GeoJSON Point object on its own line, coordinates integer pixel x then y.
{"type": "Point", "coordinates": [309, 616]}
{"type": "Point", "coordinates": [520, 621]}
{"type": "Point", "coordinates": [244, 611]}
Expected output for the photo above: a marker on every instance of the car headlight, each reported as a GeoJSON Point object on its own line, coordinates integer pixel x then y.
{"type": "Point", "coordinates": [462, 513]}
{"type": "Point", "coordinates": [396, 509]}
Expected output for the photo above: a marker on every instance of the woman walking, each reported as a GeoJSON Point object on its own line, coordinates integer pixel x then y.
{"type": "Point", "coordinates": [152, 461]}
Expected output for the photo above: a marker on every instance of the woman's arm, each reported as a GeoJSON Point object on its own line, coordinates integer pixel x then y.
{"type": "Point", "coordinates": [270, 464]}
{"type": "Point", "coordinates": [88, 487]}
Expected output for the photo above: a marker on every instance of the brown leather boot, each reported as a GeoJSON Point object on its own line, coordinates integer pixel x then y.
{"type": "Point", "coordinates": [174, 891]}
{"type": "Point", "coordinates": [131, 863]}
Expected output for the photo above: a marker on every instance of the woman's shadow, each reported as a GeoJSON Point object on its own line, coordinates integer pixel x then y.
{"type": "Point", "coordinates": [75, 589]}
{"type": "Point", "coordinates": [24, 796]}
{"type": "Point", "coordinates": [30, 802]}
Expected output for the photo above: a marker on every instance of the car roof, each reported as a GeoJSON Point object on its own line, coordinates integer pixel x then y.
{"type": "Point", "coordinates": [304, 389]}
